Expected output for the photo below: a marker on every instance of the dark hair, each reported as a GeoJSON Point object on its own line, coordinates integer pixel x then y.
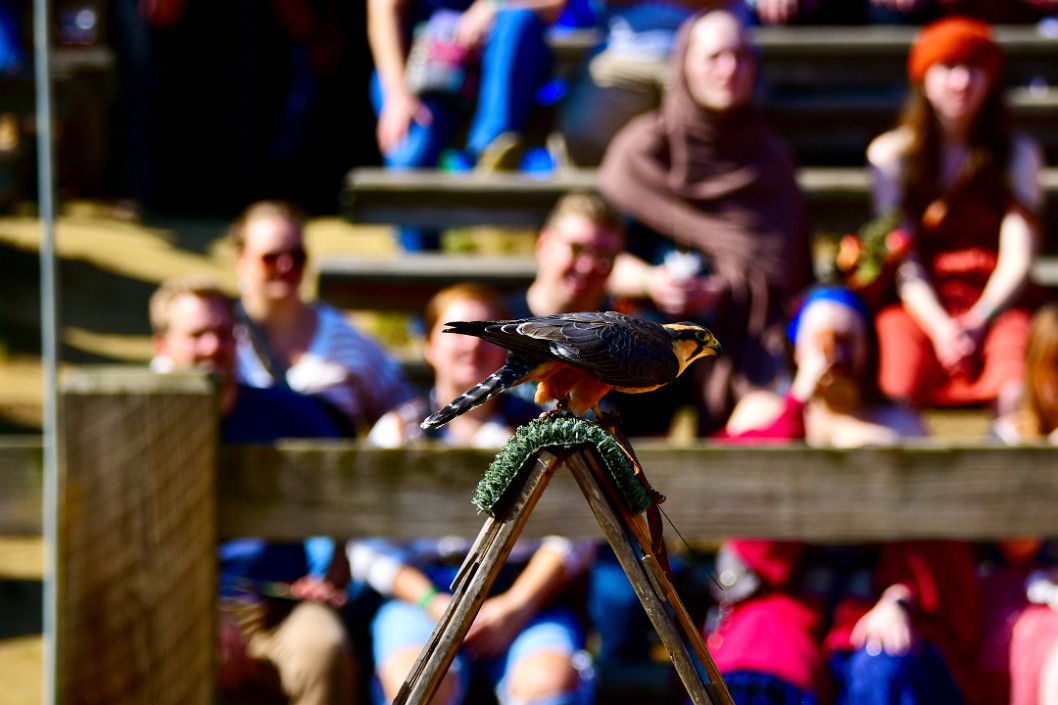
{"type": "Point", "coordinates": [989, 143]}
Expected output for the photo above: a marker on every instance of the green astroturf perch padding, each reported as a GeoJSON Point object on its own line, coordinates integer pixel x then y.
{"type": "Point", "coordinates": [565, 431]}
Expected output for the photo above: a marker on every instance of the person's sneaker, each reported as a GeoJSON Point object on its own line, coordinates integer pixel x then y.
{"type": "Point", "coordinates": [556, 146]}
{"type": "Point", "coordinates": [537, 162]}
{"type": "Point", "coordinates": [453, 160]}
{"type": "Point", "coordinates": [502, 154]}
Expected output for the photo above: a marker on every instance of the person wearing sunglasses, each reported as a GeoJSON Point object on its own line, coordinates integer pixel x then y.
{"type": "Point", "coordinates": [575, 252]}
{"type": "Point", "coordinates": [308, 347]}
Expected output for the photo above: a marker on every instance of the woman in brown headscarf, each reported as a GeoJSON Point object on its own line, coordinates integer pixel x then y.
{"type": "Point", "coordinates": [719, 231]}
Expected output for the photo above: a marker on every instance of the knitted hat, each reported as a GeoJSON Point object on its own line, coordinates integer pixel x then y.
{"type": "Point", "coordinates": [824, 292]}
{"type": "Point", "coordinates": [955, 40]}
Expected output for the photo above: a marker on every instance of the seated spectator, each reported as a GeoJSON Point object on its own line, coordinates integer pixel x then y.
{"type": "Point", "coordinates": [1036, 416]}
{"type": "Point", "coordinates": [1034, 639]}
{"type": "Point", "coordinates": [308, 347]}
{"type": "Point", "coordinates": [968, 191]}
{"type": "Point", "coordinates": [575, 253]}
{"type": "Point", "coordinates": [12, 57]}
{"type": "Point", "coordinates": [302, 642]}
{"type": "Point", "coordinates": [459, 362]}
{"type": "Point", "coordinates": [525, 639]}
{"type": "Point", "coordinates": [1019, 659]}
{"type": "Point", "coordinates": [835, 356]}
{"type": "Point", "coordinates": [719, 231]}
{"type": "Point", "coordinates": [419, 117]}
{"type": "Point", "coordinates": [866, 623]}
{"type": "Point", "coordinates": [1018, 662]}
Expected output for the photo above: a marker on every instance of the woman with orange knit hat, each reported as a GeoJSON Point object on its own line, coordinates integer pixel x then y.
{"type": "Point", "coordinates": [968, 190]}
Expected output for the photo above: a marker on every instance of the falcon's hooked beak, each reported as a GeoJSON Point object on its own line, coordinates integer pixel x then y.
{"type": "Point", "coordinates": [692, 342]}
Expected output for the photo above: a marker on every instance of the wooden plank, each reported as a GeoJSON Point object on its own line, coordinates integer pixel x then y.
{"type": "Point", "coordinates": [1018, 41]}
{"type": "Point", "coordinates": [849, 43]}
{"type": "Point", "coordinates": [837, 197]}
{"type": "Point", "coordinates": [941, 491]}
{"type": "Point", "coordinates": [137, 539]}
{"type": "Point", "coordinates": [829, 127]}
{"type": "Point", "coordinates": [430, 198]}
{"type": "Point", "coordinates": [21, 482]}
{"type": "Point", "coordinates": [865, 57]}
{"type": "Point", "coordinates": [301, 488]}
{"type": "Point", "coordinates": [875, 56]}
{"type": "Point", "coordinates": [787, 41]}
{"type": "Point", "coordinates": [407, 283]}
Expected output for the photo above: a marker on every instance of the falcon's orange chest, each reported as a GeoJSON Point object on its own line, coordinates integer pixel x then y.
{"type": "Point", "coordinates": [559, 381]}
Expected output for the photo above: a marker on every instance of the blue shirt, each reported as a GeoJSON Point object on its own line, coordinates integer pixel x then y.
{"type": "Point", "coordinates": [264, 416]}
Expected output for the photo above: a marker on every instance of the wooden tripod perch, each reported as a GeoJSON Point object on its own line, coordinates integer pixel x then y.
{"type": "Point", "coordinates": [612, 482]}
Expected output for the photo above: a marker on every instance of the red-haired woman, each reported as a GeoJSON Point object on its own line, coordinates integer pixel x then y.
{"type": "Point", "coordinates": [968, 189]}
{"type": "Point", "coordinates": [1021, 590]}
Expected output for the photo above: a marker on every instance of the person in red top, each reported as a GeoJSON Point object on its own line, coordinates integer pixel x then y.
{"type": "Point", "coordinates": [1019, 656]}
{"type": "Point", "coordinates": [968, 191]}
{"type": "Point", "coordinates": [864, 624]}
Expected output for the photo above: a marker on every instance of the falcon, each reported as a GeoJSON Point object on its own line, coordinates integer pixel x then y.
{"type": "Point", "coordinates": [576, 358]}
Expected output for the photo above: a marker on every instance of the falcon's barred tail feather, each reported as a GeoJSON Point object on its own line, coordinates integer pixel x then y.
{"type": "Point", "coordinates": [512, 372]}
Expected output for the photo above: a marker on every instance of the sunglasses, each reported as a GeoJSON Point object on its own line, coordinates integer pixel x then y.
{"type": "Point", "coordinates": [601, 259]}
{"type": "Point", "coordinates": [297, 257]}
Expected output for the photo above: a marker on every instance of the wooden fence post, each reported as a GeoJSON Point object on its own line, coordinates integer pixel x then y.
{"type": "Point", "coordinates": [137, 538]}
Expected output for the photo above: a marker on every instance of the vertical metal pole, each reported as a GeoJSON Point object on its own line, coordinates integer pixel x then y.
{"type": "Point", "coordinates": [49, 340]}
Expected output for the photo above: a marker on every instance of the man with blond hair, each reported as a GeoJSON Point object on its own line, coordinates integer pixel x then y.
{"type": "Point", "coordinates": [306, 644]}
{"type": "Point", "coordinates": [575, 252]}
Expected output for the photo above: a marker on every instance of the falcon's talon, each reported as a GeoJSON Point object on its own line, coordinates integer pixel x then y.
{"type": "Point", "coordinates": [609, 419]}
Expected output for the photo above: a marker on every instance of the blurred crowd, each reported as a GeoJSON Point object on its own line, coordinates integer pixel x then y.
{"type": "Point", "coordinates": [698, 218]}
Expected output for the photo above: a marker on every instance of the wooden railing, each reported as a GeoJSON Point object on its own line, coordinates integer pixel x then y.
{"type": "Point", "coordinates": [830, 90]}
{"type": "Point", "coordinates": [838, 198]}
{"type": "Point", "coordinates": [859, 57]}
{"type": "Point", "coordinates": [145, 494]}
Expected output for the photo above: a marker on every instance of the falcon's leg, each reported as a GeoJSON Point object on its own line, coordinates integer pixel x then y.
{"type": "Point", "coordinates": [560, 410]}
{"type": "Point", "coordinates": [607, 419]}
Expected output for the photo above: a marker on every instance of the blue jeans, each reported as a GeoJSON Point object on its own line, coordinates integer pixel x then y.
{"type": "Point", "coordinates": [616, 614]}
{"type": "Point", "coordinates": [918, 677]}
{"type": "Point", "coordinates": [398, 625]}
{"type": "Point", "coordinates": [515, 62]}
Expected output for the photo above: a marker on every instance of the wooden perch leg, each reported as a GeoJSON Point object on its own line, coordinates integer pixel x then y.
{"type": "Point", "coordinates": [631, 544]}
{"type": "Point", "coordinates": [473, 584]}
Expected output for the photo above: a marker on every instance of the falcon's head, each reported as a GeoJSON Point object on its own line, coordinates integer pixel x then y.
{"type": "Point", "coordinates": [691, 342]}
